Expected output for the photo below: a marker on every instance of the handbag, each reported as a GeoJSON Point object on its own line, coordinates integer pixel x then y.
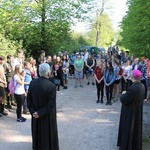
{"type": "Point", "coordinates": [56, 81]}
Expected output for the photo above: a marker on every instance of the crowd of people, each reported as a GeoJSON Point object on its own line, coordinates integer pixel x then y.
{"type": "Point", "coordinates": [111, 72]}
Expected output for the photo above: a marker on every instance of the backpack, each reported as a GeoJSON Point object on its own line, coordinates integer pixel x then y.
{"type": "Point", "coordinates": [11, 86]}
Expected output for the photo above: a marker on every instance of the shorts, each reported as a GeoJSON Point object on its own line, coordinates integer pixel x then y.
{"type": "Point", "coordinates": [88, 72]}
{"type": "Point", "coordinates": [65, 76]}
{"type": "Point", "coordinates": [78, 75]}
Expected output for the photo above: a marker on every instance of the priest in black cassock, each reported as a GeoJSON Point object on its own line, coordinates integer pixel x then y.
{"type": "Point", "coordinates": [41, 101]}
{"type": "Point", "coordinates": [130, 126]}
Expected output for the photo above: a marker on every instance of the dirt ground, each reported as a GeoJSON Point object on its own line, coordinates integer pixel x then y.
{"type": "Point", "coordinates": [82, 123]}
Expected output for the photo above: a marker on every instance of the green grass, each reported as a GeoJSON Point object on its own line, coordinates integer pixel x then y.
{"type": "Point", "coordinates": [145, 143]}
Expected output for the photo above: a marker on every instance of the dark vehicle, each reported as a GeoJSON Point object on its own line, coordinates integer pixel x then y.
{"type": "Point", "coordinates": [92, 48]}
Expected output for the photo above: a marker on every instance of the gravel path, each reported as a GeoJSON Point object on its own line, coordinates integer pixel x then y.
{"type": "Point", "coordinates": [82, 123]}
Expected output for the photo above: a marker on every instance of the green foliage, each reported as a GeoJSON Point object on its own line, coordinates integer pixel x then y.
{"type": "Point", "coordinates": [8, 46]}
{"type": "Point", "coordinates": [135, 28]}
{"type": "Point", "coordinates": [106, 32]}
{"type": "Point", "coordinates": [40, 24]}
{"type": "Point", "coordinates": [46, 25]}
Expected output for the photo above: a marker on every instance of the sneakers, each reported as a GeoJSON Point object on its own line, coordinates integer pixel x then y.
{"type": "Point", "coordinates": [107, 103]}
{"type": "Point", "coordinates": [93, 83]}
{"type": "Point", "coordinates": [88, 83]}
{"type": "Point", "coordinates": [65, 87]}
{"type": "Point", "coordinates": [4, 113]}
{"type": "Point", "coordinates": [115, 99]}
{"type": "Point", "coordinates": [77, 86]}
{"type": "Point", "coordinates": [97, 101]}
{"type": "Point", "coordinates": [24, 118]}
{"type": "Point", "coordinates": [110, 103]}
{"type": "Point", "coordinates": [21, 119]}
{"type": "Point", "coordinates": [8, 106]}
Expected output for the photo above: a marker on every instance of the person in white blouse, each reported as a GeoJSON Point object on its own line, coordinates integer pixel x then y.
{"type": "Point", "coordinates": [19, 91]}
{"type": "Point", "coordinates": [19, 59]}
{"type": "Point", "coordinates": [127, 72]}
{"type": "Point", "coordinates": [86, 54]}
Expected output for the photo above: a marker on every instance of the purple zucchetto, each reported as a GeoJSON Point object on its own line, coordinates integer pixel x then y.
{"type": "Point", "coordinates": [136, 73]}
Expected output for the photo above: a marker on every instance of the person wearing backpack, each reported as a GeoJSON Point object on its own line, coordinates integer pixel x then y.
{"type": "Point", "coordinates": [19, 92]}
{"type": "Point", "coordinates": [3, 84]}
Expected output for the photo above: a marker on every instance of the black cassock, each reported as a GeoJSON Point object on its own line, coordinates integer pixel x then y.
{"type": "Point", "coordinates": [42, 99]}
{"type": "Point", "coordinates": [130, 127]}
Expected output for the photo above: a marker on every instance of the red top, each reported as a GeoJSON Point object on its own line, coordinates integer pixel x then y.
{"type": "Point", "coordinates": [148, 67]}
{"type": "Point", "coordinates": [98, 72]}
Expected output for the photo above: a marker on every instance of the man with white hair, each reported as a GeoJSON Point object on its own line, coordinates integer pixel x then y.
{"type": "Point", "coordinates": [41, 101]}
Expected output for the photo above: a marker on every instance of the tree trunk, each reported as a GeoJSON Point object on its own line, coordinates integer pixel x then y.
{"type": "Point", "coordinates": [43, 24]}
{"type": "Point", "coordinates": [98, 23]}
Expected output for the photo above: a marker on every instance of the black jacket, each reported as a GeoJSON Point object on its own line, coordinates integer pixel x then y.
{"type": "Point", "coordinates": [130, 126]}
{"type": "Point", "coordinates": [42, 99]}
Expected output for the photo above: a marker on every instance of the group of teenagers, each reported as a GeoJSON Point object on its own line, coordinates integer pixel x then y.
{"type": "Point", "coordinates": [111, 73]}
{"type": "Point", "coordinates": [111, 70]}
{"type": "Point", "coordinates": [23, 71]}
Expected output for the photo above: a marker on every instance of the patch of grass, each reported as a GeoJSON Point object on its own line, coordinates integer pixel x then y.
{"type": "Point", "coordinates": [145, 143]}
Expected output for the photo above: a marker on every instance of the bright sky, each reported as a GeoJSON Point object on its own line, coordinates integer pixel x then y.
{"type": "Point", "coordinates": [118, 11]}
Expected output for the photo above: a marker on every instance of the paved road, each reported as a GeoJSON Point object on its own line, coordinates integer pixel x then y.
{"type": "Point", "coordinates": [82, 123]}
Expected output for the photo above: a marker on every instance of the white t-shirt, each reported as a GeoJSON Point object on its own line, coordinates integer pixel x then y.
{"type": "Point", "coordinates": [17, 61]}
{"type": "Point", "coordinates": [19, 88]}
{"type": "Point", "coordinates": [86, 56]}
{"type": "Point", "coordinates": [127, 70]}
{"type": "Point", "coordinates": [117, 69]}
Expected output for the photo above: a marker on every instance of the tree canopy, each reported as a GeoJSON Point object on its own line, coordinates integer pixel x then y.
{"type": "Point", "coordinates": [135, 28]}
{"type": "Point", "coordinates": [40, 24]}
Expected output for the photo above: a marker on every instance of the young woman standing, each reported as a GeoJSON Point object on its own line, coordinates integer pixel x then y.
{"type": "Point", "coordinates": [90, 63]}
{"type": "Point", "coordinates": [57, 70]}
{"type": "Point", "coordinates": [127, 72]}
{"type": "Point", "coordinates": [65, 69]}
{"type": "Point", "coordinates": [109, 78]}
{"type": "Point", "coordinates": [19, 91]}
{"type": "Point", "coordinates": [117, 79]}
{"type": "Point", "coordinates": [98, 75]}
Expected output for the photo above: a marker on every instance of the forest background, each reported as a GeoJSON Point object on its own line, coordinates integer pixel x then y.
{"type": "Point", "coordinates": [35, 25]}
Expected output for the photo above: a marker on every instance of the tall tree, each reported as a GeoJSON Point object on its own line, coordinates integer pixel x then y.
{"type": "Point", "coordinates": [99, 13]}
{"type": "Point", "coordinates": [41, 24]}
{"type": "Point", "coordinates": [135, 27]}
{"type": "Point", "coordinates": [106, 32]}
